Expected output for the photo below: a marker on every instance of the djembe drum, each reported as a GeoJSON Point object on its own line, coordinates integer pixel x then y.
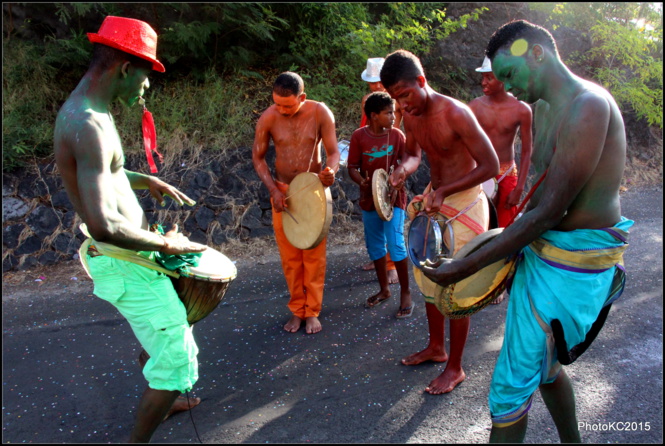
{"type": "Point", "coordinates": [203, 287]}
{"type": "Point", "coordinates": [472, 294]}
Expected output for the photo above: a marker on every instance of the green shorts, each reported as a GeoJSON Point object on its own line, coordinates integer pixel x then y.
{"type": "Point", "coordinates": [147, 299]}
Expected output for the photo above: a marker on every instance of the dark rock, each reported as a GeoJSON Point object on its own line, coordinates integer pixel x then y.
{"type": "Point", "coordinates": [10, 235]}
{"type": "Point", "coordinates": [262, 231]}
{"type": "Point", "coordinates": [49, 258]}
{"type": "Point", "coordinates": [31, 187]}
{"type": "Point", "coordinates": [30, 245]}
{"type": "Point", "coordinates": [44, 220]}
{"type": "Point", "coordinates": [199, 236]}
{"type": "Point", "coordinates": [252, 218]}
{"type": "Point", "coordinates": [66, 243]}
{"type": "Point", "coordinates": [61, 199]}
{"type": "Point", "coordinates": [225, 218]}
{"type": "Point", "coordinates": [219, 236]}
{"type": "Point", "coordinates": [204, 217]}
{"type": "Point", "coordinates": [9, 263]}
{"type": "Point", "coordinates": [203, 180]}
{"type": "Point", "coordinates": [28, 262]}
{"type": "Point", "coordinates": [216, 202]}
{"type": "Point", "coordinates": [13, 208]}
{"type": "Point", "coordinates": [266, 218]}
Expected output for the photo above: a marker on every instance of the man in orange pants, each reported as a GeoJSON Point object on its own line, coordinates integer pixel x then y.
{"type": "Point", "coordinates": [297, 127]}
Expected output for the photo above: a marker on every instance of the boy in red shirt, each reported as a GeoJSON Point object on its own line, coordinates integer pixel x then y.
{"type": "Point", "coordinates": [379, 145]}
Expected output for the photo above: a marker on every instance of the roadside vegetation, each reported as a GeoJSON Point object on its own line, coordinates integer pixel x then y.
{"type": "Point", "coordinates": [221, 59]}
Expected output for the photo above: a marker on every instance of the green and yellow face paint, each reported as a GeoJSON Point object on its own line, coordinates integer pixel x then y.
{"type": "Point", "coordinates": [519, 47]}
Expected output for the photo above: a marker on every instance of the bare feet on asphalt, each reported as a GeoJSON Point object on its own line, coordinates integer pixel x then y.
{"type": "Point", "coordinates": [312, 325]}
{"type": "Point", "coordinates": [446, 381]}
{"type": "Point", "coordinates": [181, 405]}
{"type": "Point", "coordinates": [293, 324]}
{"type": "Point", "coordinates": [425, 355]}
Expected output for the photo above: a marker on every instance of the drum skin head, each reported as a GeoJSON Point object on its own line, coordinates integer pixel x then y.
{"type": "Point", "coordinates": [213, 266]}
{"type": "Point", "coordinates": [470, 295]}
{"type": "Point", "coordinates": [343, 146]}
{"type": "Point", "coordinates": [427, 241]}
{"type": "Point", "coordinates": [381, 194]}
{"type": "Point", "coordinates": [310, 204]}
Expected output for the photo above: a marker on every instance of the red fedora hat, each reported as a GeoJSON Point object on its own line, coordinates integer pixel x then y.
{"type": "Point", "coordinates": [131, 36]}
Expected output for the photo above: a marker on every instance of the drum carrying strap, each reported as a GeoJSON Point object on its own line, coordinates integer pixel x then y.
{"type": "Point", "coordinates": [118, 253]}
{"type": "Point", "coordinates": [505, 174]}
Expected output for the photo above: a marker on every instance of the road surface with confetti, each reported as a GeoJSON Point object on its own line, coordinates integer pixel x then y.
{"type": "Point", "coordinates": [70, 372]}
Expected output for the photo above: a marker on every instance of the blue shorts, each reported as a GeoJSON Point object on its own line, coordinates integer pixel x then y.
{"type": "Point", "coordinates": [147, 299]}
{"type": "Point", "coordinates": [379, 233]}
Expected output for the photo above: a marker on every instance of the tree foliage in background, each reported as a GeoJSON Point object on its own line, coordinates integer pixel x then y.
{"type": "Point", "coordinates": [626, 56]}
{"type": "Point", "coordinates": [221, 59]}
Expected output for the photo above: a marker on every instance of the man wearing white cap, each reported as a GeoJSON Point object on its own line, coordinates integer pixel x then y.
{"type": "Point", "coordinates": [371, 75]}
{"type": "Point", "coordinates": [90, 158]}
{"type": "Point", "coordinates": [500, 114]}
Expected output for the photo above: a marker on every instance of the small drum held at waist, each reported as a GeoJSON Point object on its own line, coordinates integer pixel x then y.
{"type": "Point", "coordinates": [381, 194]}
{"type": "Point", "coordinates": [429, 238]}
{"type": "Point", "coordinates": [309, 206]}
{"type": "Point", "coordinates": [203, 287]}
{"type": "Point", "coordinates": [472, 294]}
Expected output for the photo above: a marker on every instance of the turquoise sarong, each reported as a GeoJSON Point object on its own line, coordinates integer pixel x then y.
{"type": "Point", "coordinates": [567, 276]}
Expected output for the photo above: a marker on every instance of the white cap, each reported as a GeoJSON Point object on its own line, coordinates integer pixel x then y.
{"type": "Point", "coordinates": [373, 71]}
{"type": "Point", "coordinates": [487, 66]}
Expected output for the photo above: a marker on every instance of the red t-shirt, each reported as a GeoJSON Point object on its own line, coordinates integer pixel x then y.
{"type": "Point", "coordinates": [368, 152]}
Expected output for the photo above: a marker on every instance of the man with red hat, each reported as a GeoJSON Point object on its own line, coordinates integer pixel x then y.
{"type": "Point", "coordinates": [90, 159]}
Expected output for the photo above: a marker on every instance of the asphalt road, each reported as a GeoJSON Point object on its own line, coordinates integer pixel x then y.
{"type": "Point", "coordinates": [69, 373]}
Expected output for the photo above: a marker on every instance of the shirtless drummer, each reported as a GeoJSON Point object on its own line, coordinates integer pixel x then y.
{"type": "Point", "coordinates": [297, 127]}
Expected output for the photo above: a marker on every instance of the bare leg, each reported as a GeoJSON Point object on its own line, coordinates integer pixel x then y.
{"type": "Point", "coordinates": [559, 398]}
{"type": "Point", "coordinates": [381, 274]}
{"type": "Point", "coordinates": [402, 269]}
{"type": "Point", "coordinates": [180, 404]}
{"type": "Point", "coordinates": [312, 325]}
{"type": "Point", "coordinates": [153, 407]}
{"type": "Point", "coordinates": [393, 275]}
{"type": "Point", "coordinates": [514, 433]}
{"type": "Point", "coordinates": [435, 351]}
{"type": "Point", "coordinates": [293, 324]}
{"type": "Point", "coordinates": [453, 374]}
{"type": "Point", "coordinates": [368, 266]}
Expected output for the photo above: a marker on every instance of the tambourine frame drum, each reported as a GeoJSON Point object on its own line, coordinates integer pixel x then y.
{"type": "Point", "coordinates": [201, 288]}
{"type": "Point", "coordinates": [310, 207]}
{"type": "Point", "coordinates": [381, 194]}
{"type": "Point", "coordinates": [427, 241]}
{"type": "Point", "coordinates": [472, 294]}
{"type": "Point", "coordinates": [344, 147]}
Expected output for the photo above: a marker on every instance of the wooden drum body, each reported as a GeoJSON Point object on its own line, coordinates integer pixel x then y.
{"type": "Point", "coordinates": [472, 294]}
{"type": "Point", "coordinates": [202, 288]}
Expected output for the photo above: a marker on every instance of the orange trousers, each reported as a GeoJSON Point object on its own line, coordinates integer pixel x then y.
{"type": "Point", "coordinates": [304, 270]}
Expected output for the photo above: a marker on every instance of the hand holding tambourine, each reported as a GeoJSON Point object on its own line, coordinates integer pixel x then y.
{"type": "Point", "coordinates": [327, 176]}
